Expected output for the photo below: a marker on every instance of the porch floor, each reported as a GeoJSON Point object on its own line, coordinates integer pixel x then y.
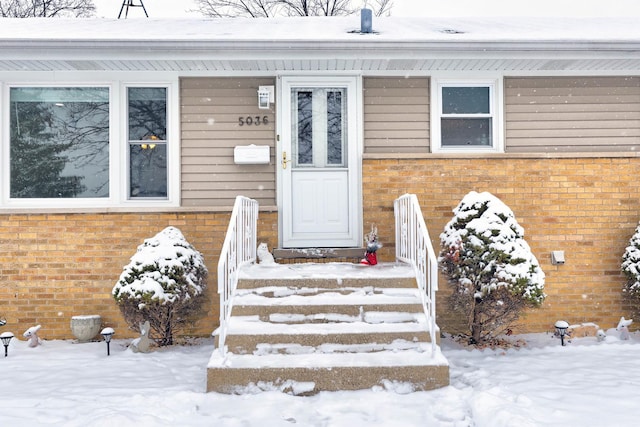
{"type": "Point", "coordinates": [317, 254]}
{"type": "Point", "coordinates": [333, 270]}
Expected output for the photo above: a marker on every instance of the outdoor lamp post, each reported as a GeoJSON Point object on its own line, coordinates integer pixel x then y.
{"type": "Point", "coordinates": [107, 333]}
{"type": "Point", "coordinates": [561, 329]}
{"type": "Point", "coordinates": [6, 337]}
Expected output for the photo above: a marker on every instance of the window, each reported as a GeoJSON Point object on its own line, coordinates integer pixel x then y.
{"type": "Point", "coordinates": [89, 146]}
{"type": "Point", "coordinates": [466, 117]}
{"type": "Point", "coordinates": [59, 142]}
{"type": "Point", "coordinates": [147, 135]}
{"type": "Point", "coordinates": [318, 127]}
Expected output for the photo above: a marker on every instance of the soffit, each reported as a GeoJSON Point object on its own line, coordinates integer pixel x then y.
{"type": "Point", "coordinates": [364, 65]}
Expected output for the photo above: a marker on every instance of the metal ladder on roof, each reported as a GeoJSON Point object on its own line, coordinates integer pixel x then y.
{"type": "Point", "coordinates": [130, 3]}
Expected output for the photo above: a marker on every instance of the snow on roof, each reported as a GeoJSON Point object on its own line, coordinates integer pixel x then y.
{"type": "Point", "coordinates": [323, 29]}
{"type": "Point", "coordinates": [319, 44]}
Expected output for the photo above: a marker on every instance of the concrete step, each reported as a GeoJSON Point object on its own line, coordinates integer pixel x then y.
{"type": "Point", "coordinates": [268, 301]}
{"type": "Point", "coordinates": [328, 283]}
{"type": "Point", "coordinates": [289, 292]}
{"type": "Point", "coordinates": [245, 334]}
{"type": "Point", "coordinates": [327, 275]}
{"type": "Point", "coordinates": [320, 313]}
{"type": "Point", "coordinates": [396, 345]}
{"type": "Point", "coordinates": [304, 374]}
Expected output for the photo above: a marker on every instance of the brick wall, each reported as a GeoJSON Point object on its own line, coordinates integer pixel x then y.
{"type": "Point", "coordinates": [588, 207]}
{"type": "Point", "coordinates": [55, 266]}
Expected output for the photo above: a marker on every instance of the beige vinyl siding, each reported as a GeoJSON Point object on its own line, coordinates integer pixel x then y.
{"type": "Point", "coordinates": [572, 114]}
{"type": "Point", "coordinates": [210, 129]}
{"type": "Point", "coordinates": [396, 115]}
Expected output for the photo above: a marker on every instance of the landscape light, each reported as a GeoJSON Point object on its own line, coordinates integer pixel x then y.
{"type": "Point", "coordinates": [107, 333]}
{"type": "Point", "coordinates": [561, 329]}
{"type": "Point", "coordinates": [6, 338]}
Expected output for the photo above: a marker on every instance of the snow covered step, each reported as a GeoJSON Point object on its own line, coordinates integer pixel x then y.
{"type": "Point", "coordinates": [369, 316]}
{"type": "Point", "coordinates": [288, 293]}
{"type": "Point", "coordinates": [395, 346]}
{"type": "Point", "coordinates": [329, 283]}
{"type": "Point", "coordinates": [247, 334]}
{"type": "Point", "coordinates": [310, 373]}
{"type": "Point", "coordinates": [322, 312]}
{"type": "Point", "coordinates": [327, 275]}
{"type": "Point", "coordinates": [367, 359]}
{"type": "Point", "coordinates": [373, 322]}
{"type": "Point", "coordinates": [348, 303]}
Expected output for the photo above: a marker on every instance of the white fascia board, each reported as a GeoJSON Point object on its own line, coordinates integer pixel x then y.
{"type": "Point", "coordinates": [181, 49]}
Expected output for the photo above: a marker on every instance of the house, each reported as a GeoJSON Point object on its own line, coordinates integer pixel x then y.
{"type": "Point", "coordinates": [113, 129]}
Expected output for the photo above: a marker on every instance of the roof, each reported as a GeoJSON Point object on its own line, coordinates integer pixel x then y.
{"type": "Point", "coordinates": [320, 44]}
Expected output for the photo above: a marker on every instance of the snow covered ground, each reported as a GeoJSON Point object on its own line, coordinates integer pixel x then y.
{"type": "Point", "coordinates": [61, 383]}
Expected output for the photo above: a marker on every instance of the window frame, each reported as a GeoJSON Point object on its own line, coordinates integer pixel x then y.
{"type": "Point", "coordinates": [495, 114]}
{"type": "Point", "coordinates": [130, 142]}
{"type": "Point", "coordinates": [118, 145]}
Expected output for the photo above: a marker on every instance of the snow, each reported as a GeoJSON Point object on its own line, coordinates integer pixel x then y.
{"type": "Point", "coordinates": [395, 346]}
{"type": "Point", "coordinates": [252, 325]}
{"type": "Point", "coordinates": [292, 296]}
{"type": "Point", "coordinates": [335, 270]}
{"type": "Point", "coordinates": [107, 331]}
{"type": "Point", "coordinates": [152, 271]}
{"type": "Point", "coordinates": [330, 29]}
{"type": "Point", "coordinates": [172, 9]}
{"type": "Point", "coordinates": [32, 330]}
{"type": "Point", "coordinates": [586, 383]}
{"type": "Point", "coordinates": [86, 317]}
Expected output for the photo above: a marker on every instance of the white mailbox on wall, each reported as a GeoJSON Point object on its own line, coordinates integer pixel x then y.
{"type": "Point", "coordinates": [251, 154]}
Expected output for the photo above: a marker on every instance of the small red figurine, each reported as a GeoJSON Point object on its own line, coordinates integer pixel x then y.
{"type": "Point", "coordinates": [370, 257]}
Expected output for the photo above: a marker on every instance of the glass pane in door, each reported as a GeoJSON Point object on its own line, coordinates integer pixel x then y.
{"type": "Point", "coordinates": [335, 126]}
{"type": "Point", "coordinates": [303, 128]}
{"type": "Point", "coordinates": [319, 127]}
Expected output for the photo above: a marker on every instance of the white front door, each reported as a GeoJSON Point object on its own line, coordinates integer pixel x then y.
{"type": "Point", "coordinates": [319, 163]}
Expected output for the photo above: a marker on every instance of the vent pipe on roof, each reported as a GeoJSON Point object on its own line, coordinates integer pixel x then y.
{"type": "Point", "coordinates": [366, 21]}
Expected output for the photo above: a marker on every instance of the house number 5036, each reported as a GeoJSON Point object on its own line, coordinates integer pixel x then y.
{"type": "Point", "coordinates": [253, 120]}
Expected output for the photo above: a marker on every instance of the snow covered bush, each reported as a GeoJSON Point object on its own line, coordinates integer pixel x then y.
{"type": "Point", "coordinates": [490, 266]}
{"type": "Point", "coordinates": [631, 269]}
{"type": "Point", "coordinates": [164, 283]}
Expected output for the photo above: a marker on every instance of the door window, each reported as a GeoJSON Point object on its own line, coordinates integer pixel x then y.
{"type": "Point", "coordinates": [319, 124]}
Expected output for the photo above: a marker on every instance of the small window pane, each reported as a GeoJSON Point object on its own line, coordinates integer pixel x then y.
{"type": "Point", "coordinates": [303, 128]}
{"type": "Point", "coordinates": [466, 132]}
{"type": "Point", "coordinates": [59, 142]}
{"type": "Point", "coordinates": [335, 138]}
{"type": "Point", "coordinates": [465, 100]}
{"type": "Point", "coordinates": [147, 113]}
{"type": "Point", "coordinates": [148, 170]}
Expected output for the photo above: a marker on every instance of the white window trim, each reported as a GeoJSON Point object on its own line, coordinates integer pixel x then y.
{"type": "Point", "coordinates": [118, 146]}
{"type": "Point", "coordinates": [173, 147]}
{"type": "Point", "coordinates": [496, 107]}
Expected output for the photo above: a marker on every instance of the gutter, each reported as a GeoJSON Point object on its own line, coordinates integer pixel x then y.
{"type": "Point", "coordinates": [135, 49]}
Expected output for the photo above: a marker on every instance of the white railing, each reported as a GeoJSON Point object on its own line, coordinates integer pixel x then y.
{"type": "Point", "coordinates": [238, 249]}
{"type": "Point", "coordinates": [414, 247]}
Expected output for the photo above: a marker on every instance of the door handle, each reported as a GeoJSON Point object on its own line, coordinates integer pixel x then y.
{"type": "Point", "coordinates": [284, 160]}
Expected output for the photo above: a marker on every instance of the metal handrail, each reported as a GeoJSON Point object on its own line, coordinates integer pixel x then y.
{"type": "Point", "coordinates": [414, 247]}
{"type": "Point", "coordinates": [238, 249]}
